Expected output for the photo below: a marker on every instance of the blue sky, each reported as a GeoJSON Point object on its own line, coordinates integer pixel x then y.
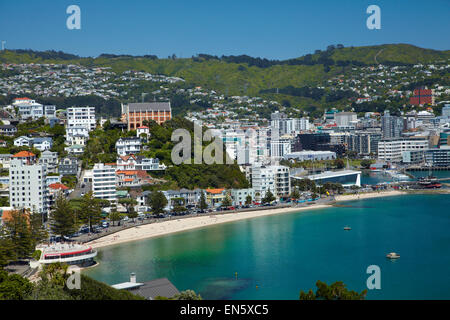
{"type": "Point", "coordinates": [272, 29]}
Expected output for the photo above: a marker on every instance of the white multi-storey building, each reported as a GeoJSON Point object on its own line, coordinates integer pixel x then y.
{"type": "Point", "coordinates": [273, 178]}
{"type": "Point", "coordinates": [27, 186]}
{"type": "Point", "coordinates": [127, 146]}
{"type": "Point", "coordinates": [391, 150]}
{"type": "Point", "coordinates": [81, 117]}
{"type": "Point", "coordinates": [278, 148]}
{"type": "Point", "coordinates": [30, 109]}
{"type": "Point", "coordinates": [104, 182]}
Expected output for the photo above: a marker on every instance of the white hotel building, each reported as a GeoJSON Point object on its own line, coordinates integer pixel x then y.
{"type": "Point", "coordinates": [391, 150]}
{"type": "Point", "coordinates": [27, 187]}
{"type": "Point", "coordinates": [104, 182]}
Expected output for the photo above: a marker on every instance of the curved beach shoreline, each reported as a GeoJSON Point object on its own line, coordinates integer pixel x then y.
{"type": "Point", "coordinates": [179, 225]}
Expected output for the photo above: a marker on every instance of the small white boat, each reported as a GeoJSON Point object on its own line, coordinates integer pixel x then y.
{"type": "Point", "coordinates": [392, 255]}
{"type": "Point", "coordinates": [347, 228]}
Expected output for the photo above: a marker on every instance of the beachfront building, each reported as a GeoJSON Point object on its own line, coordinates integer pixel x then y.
{"type": "Point", "coordinates": [274, 178]}
{"type": "Point", "coordinates": [214, 197]}
{"type": "Point", "coordinates": [128, 146]}
{"type": "Point", "coordinates": [27, 185]}
{"type": "Point", "coordinates": [81, 117]}
{"type": "Point", "coordinates": [188, 198]}
{"type": "Point", "coordinates": [134, 114]}
{"type": "Point", "coordinates": [391, 149]}
{"type": "Point", "coordinates": [413, 156]}
{"type": "Point", "coordinates": [239, 196]}
{"type": "Point", "coordinates": [104, 182]}
{"type": "Point", "coordinates": [67, 253]}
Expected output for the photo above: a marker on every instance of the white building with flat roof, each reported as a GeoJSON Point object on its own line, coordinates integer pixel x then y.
{"type": "Point", "coordinates": [27, 186]}
{"type": "Point", "coordinates": [345, 177]}
{"type": "Point", "coordinates": [104, 182]}
{"type": "Point", "coordinates": [81, 117]}
{"type": "Point", "coordinates": [310, 155]}
{"type": "Point", "coordinates": [391, 150]}
{"type": "Point", "coordinates": [274, 178]}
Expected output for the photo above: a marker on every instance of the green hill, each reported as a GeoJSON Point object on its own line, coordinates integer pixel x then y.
{"type": "Point", "coordinates": [238, 75]}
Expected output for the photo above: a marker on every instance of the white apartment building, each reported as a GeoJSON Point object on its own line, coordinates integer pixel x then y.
{"type": "Point", "coordinates": [104, 182]}
{"type": "Point", "coordinates": [391, 150]}
{"type": "Point", "coordinates": [127, 146]}
{"type": "Point", "coordinates": [30, 109]}
{"type": "Point", "coordinates": [345, 119]}
{"type": "Point", "coordinates": [77, 135]}
{"type": "Point", "coordinates": [239, 196]}
{"type": "Point", "coordinates": [81, 117]}
{"type": "Point", "coordinates": [27, 186]}
{"type": "Point", "coordinates": [273, 178]}
{"type": "Point", "coordinates": [278, 148]}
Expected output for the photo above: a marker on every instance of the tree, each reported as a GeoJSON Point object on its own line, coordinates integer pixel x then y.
{"type": "Point", "coordinates": [62, 218]}
{"type": "Point", "coordinates": [187, 295]}
{"type": "Point", "coordinates": [269, 197]}
{"type": "Point", "coordinates": [157, 201]}
{"type": "Point", "coordinates": [114, 216]}
{"type": "Point", "coordinates": [18, 230]}
{"type": "Point", "coordinates": [227, 202]}
{"type": "Point", "coordinates": [335, 291]}
{"type": "Point", "coordinates": [132, 214]}
{"type": "Point", "coordinates": [90, 210]}
{"type": "Point", "coordinates": [14, 287]}
{"type": "Point", "coordinates": [248, 200]}
{"type": "Point", "coordinates": [339, 163]}
{"type": "Point", "coordinates": [203, 205]}
{"type": "Point", "coordinates": [295, 194]}
{"type": "Point", "coordinates": [366, 163]}
{"type": "Point", "coordinates": [38, 231]}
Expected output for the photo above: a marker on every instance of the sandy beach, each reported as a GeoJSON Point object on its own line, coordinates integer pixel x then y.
{"type": "Point", "coordinates": [178, 225]}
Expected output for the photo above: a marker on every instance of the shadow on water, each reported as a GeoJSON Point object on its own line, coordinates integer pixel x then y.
{"type": "Point", "coordinates": [222, 288]}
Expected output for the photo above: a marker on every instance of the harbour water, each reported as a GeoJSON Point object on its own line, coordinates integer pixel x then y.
{"type": "Point", "coordinates": [277, 256]}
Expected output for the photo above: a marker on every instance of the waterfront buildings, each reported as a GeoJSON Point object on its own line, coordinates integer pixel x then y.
{"type": "Point", "coordinates": [239, 196]}
{"type": "Point", "coordinates": [391, 149]}
{"type": "Point", "coordinates": [104, 182]}
{"type": "Point", "coordinates": [27, 185]}
{"type": "Point", "coordinates": [215, 197]}
{"type": "Point", "coordinates": [67, 253]}
{"type": "Point", "coordinates": [134, 114]}
{"type": "Point", "coordinates": [274, 178]}
{"type": "Point", "coordinates": [439, 157]}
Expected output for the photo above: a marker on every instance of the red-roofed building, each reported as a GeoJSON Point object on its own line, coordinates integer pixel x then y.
{"type": "Point", "coordinates": [422, 96]}
{"type": "Point", "coordinates": [28, 157]}
{"type": "Point", "coordinates": [130, 178]}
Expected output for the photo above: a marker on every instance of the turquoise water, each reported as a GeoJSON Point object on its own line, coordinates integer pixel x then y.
{"type": "Point", "coordinates": [285, 253]}
{"type": "Point", "coordinates": [437, 174]}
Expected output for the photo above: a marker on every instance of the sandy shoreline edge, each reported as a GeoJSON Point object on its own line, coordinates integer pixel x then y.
{"type": "Point", "coordinates": [178, 225]}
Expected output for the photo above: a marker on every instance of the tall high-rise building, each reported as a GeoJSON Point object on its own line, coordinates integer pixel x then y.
{"type": "Point", "coordinates": [273, 178]}
{"type": "Point", "coordinates": [27, 185]}
{"type": "Point", "coordinates": [391, 126]}
{"type": "Point", "coordinates": [104, 182]}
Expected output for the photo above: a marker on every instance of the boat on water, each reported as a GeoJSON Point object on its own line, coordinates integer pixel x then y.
{"type": "Point", "coordinates": [392, 255]}
{"type": "Point", "coordinates": [429, 182]}
{"type": "Point", "coordinates": [347, 228]}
